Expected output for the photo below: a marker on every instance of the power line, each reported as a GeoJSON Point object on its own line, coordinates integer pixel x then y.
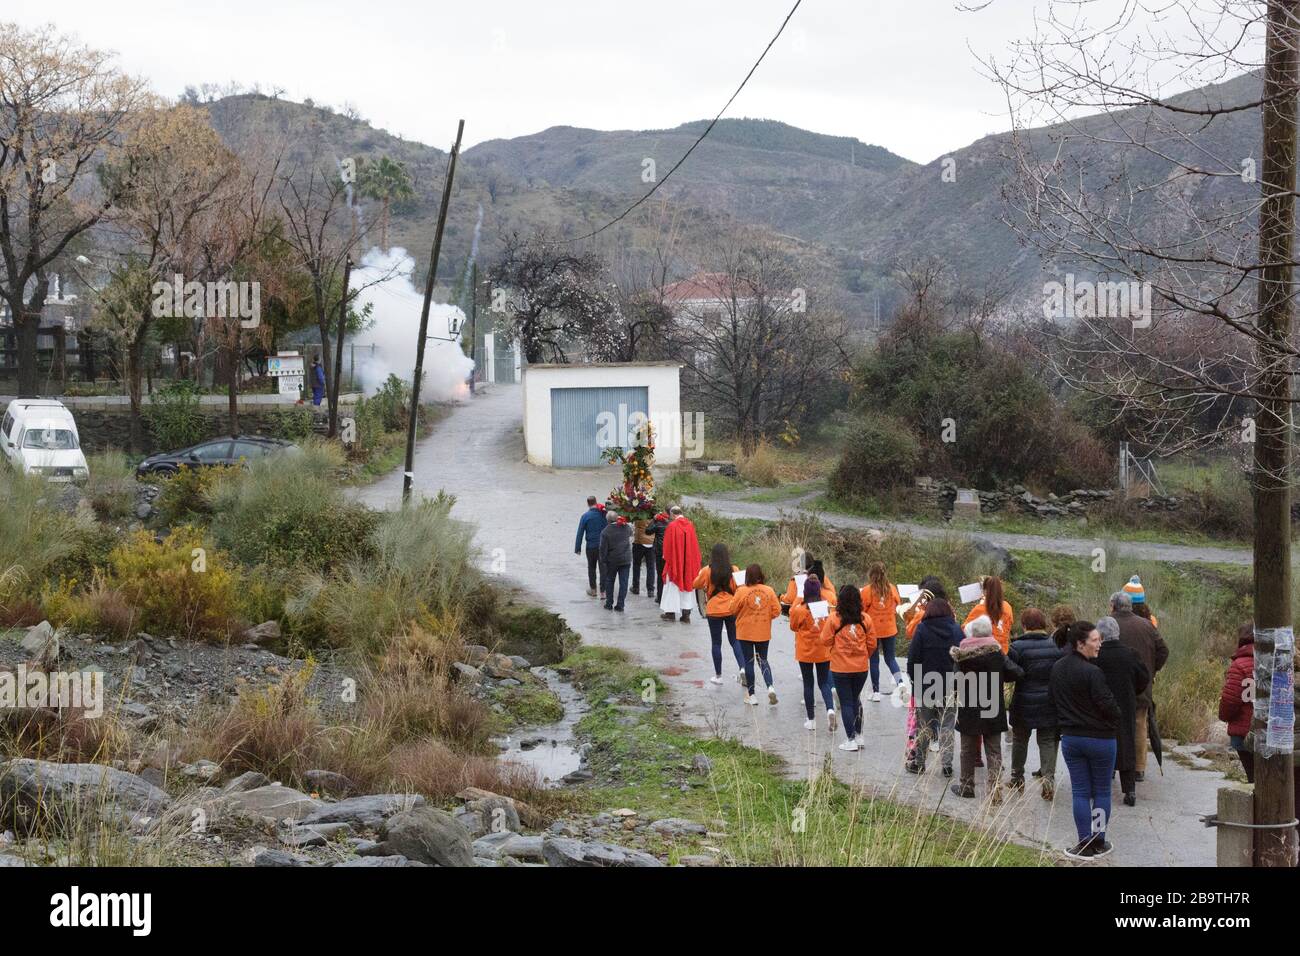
{"type": "Point", "coordinates": [623, 215]}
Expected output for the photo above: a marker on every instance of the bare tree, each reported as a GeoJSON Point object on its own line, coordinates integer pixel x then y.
{"type": "Point", "coordinates": [61, 107]}
{"type": "Point", "coordinates": [1173, 245]}
{"type": "Point", "coordinates": [758, 343]}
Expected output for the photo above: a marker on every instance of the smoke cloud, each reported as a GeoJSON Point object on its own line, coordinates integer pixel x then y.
{"type": "Point", "coordinates": [395, 327]}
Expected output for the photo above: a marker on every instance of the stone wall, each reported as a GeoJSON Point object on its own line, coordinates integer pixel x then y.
{"type": "Point", "coordinates": [110, 427]}
{"type": "Point", "coordinates": [941, 494]}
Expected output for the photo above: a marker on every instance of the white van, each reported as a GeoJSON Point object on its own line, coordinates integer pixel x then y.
{"type": "Point", "coordinates": [39, 437]}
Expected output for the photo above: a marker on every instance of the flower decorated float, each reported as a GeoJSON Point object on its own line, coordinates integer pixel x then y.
{"type": "Point", "coordinates": [634, 498]}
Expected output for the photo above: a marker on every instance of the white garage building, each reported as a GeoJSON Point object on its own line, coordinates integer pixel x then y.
{"type": "Point", "coordinates": [573, 412]}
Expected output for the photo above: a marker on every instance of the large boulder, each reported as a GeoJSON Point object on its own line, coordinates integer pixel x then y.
{"type": "Point", "coordinates": [562, 851]}
{"type": "Point", "coordinates": [59, 793]}
{"type": "Point", "coordinates": [428, 836]}
{"type": "Point", "coordinates": [42, 642]}
{"type": "Point", "coordinates": [368, 812]}
{"type": "Point", "coordinates": [268, 805]}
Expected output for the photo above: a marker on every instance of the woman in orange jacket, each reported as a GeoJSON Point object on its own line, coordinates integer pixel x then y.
{"type": "Point", "coordinates": [756, 607]}
{"type": "Point", "coordinates": [1001, 617]}
{"type": "Point", "coordinates": [880, 600]}
{"type": "Point", "coordinates": [814, 657]}
{"type": "Point", "coordinates": [847, 632]}
{"type": "Point", "coordinates": [718, 610]}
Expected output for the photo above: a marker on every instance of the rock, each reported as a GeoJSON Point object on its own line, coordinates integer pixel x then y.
{"type": "Point", "coordinates": [998, 556]}
{"type": "Point", "coordinates": [47, 790]}
{"type": "Point", "coordinates": [520, 662]}
{"type": "Point", "coordinates": [698, 861]}
{"type": "Point", "coordinates": [476, 653]}
{"type": "Point", "coordinates": [42, 642]}
{"type": "Point", "coordinates": [577, 776]}
{"type": "Point", "coordinates": [316, 835]}
{"type": "Point", "coordinates": [498, 666]}
{"type": "Point", "coordinates": [7, 860]}
{"type": "Point", "coordinates": [327, 781]}
{"type": "Point", "coordinates": [471, 674]}
{"type": "Point", "coordinates": [270, 805]}
{"type": "Point", "coordinates": [429, 836]}
{"type": "Point", "coordinates": [674, 827]}
{"type": "Point", "coordinates": [264, 857]}
{"type": "Point", "coordinates": [264, 633]}
{"type": "Point", "coordinates": [369, 861]}
{"type": "Point", "coordinates": [1218, 733]}
{"type": "Point", "coordinates": [367, 812]}
{"type": "Point", "coordinates": [523, 848]}
{"type": "Point", "coordinates": [702, 764]}
{"type": "Point", "coordinates": [249, 780]}
{"type": "Point", "coordinates": [498, 813]}
{"type": "Point", "coordinates": [477, 798]}
{"type": "Point", "coordinates": [201, 770]}
{"type": "Point", "coordinates": [471, 821]}
{"type": "Point", "coordinates": [143, 510]}
{"type": "Point", "coordinates": [561, 851]}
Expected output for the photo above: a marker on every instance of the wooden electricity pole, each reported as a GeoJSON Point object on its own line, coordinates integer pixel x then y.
{"type": "Point", "coordinates": [473, 323]}
{"type": "Point", "coordinates": [408, 476]}
{"type": "Point", "coordinates": [1275, 841]}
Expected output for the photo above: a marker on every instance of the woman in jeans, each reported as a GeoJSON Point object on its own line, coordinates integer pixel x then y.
{"type": "Point", "coordinates": [814, 657]}
{"type": "Point", "coordinates": [880, 600]}
{"type": "Point", "coordinates": [848, 634]}
{"type": "Point", "coordinates": [1088, 717]}
{"type": "Point", "coordinates": [716, 580]}
{"type": "Point", "coordinates": [1236, 704]}
{"type": "Point", "coordinates": [755, 607]}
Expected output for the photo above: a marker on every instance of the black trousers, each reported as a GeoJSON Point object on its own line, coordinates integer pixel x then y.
{"type": "Point", "coordinates": [644, 553]}
{"type": "Point", "coordinates": [593, 563]}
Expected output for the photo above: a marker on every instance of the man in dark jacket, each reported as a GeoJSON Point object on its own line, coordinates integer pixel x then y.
{"type": "Point", "coordinates": [643, 552]}
{"type": "Point", "coordinates": [930, 668]}
{"type": "Point", "coordinates": [1140, 637]}
{"type": "Point", "coordinates": [616, 560]}
{"type": "Point", "coordinates": [1034, 653]}
{"type": "Point", "coordinates": [1126, 678]}
{"type": "Point", "coordinates": [590, 525]}
{"type": "Point", "coordinates": [981, 711]}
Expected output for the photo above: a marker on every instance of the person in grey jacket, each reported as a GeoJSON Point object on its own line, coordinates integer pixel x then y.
{"type": "Point", "coordinates": [616, 559]}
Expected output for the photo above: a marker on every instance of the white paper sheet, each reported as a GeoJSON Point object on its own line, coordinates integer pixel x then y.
{"type": "Point", "coordinates": [908, 591]}
{"type": "Point", "coordinates": [819, 609]}
{"type": "Point", "coordinates": [739, 578]}
{"type": "Point", "coordinates": [799, 580]}
{"type": "Point", "coordinates": [970, 593]}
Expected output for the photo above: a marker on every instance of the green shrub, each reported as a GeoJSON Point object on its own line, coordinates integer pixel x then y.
{"type": "Point", "coordinates": [175, 415]}
{"type": "Point", "coordinates": [880, 453]}
{"type": "Point", "coordinates": [293, 423]}
{"type": "Point", "coordinates": [35, 538]}
{"type": "Point", "coordinates": [111, 485]}
{"type": "Point", "coordinates": [180, 587]}
{"type": "Point", "coordinates": [288, 511]}
{"type": "Point", "coordinates": [185, 496]}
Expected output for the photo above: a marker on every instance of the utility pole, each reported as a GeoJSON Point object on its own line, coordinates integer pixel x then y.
{"type": "Point", "coordinates": [408, 476]}
{"type": "Point", "coordinates": [1273, 728]}
{"type": "Point", "coordinates": [338, 348]}
{"type": "Point", "coordinates": [473, 323]}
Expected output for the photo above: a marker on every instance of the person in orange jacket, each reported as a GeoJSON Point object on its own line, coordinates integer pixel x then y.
{"type": "Point", "coordinates": [1000, 617]}
{"type": "Point", "coordinates": [756, 607]}
{"type": "Point", "coordinates": [718, 610]}
{"type": "Point", "coordinates": [792, 589]}
{"type": "Point", "coordinates": [880, 600]}
{"type": "Point", "coordinates": [813, 655]}
{"type": "Point", "coordinates": [847, 632]}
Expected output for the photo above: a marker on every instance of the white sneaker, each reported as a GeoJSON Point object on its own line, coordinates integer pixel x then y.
{"type": "Point", "coordinates": [715, 679]}
{"type": "Point", "coordinates": [771, 695]}
{"type": "Point", "coordinates": [875, 697]}
{"type": "Point", "coordinates": [934, 746]}
{"type": "Point", "coordinates": [831, 722]}
{"type": "Point", "coordinates": [849, 745]}
{"type": "Point", "coordinates": [810, 724]}
{"type": "Point", "coordinates": [751, 699]}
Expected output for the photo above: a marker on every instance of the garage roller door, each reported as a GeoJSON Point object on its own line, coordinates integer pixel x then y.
{"type": "Point", "coordinates": [576, 420]}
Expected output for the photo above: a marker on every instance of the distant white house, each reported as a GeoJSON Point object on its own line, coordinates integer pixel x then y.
{"type": "Point", "coordinates": [574, 412]}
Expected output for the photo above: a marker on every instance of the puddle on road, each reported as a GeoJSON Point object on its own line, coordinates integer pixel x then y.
{"type": "Point", "coordinates": [550, 748]}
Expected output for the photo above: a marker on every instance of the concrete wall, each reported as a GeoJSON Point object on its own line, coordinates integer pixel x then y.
{"type": "Point", "coordinates": [662, 381]}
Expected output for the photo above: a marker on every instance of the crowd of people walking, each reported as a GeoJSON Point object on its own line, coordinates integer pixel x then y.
{"type": "Point", "coordinates": [1081, 689]}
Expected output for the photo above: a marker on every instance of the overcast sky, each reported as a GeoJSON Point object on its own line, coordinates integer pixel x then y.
{"type": "Point", "coordinates": [902, 74]}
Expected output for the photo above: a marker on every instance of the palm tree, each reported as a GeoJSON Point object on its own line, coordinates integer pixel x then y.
{"type": "Point", "coordinates": [385, 180]}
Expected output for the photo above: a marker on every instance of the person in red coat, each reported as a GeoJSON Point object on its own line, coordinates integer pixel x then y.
{"type": "Point", "coordinates": [1236, 703]}
{"type": "Point", "coordinates": [681, 565]}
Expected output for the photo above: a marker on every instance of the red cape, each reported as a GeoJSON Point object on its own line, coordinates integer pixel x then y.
{"type": "Point", "coordinates": [681, 554]}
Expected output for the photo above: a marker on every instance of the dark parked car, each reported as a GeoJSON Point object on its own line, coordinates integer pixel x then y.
{"type": "Point", "coordinates": [216, 451]}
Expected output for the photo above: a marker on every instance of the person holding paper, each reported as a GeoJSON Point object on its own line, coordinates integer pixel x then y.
{"type": "Point", "coordinates": [881, 600]}
{"type": "Point", "coordinates": [755, 607]}
{"type": "Point", "coordinates": [681, 565]}
{"type": "Point", "coordinates": [995, 609]}
{"type": "Point", "coordinates": [931, 588]}
{"type": "Point", "coordinates": [814, 656]}
{"type": "Point", "coordinates": [847, 632]}
{"type": "Point", "coordinates": [794, 590]}
{"type": "Point", "coordinates": [718, 610]}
